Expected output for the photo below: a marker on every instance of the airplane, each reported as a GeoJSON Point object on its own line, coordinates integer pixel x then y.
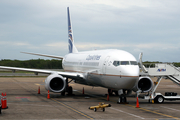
{"type": "Point", "coordinates": [116, 70]}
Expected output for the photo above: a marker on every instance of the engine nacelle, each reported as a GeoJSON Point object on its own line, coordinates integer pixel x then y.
{"type": "Point", "coordinates": [144, 84]}
{"type": "Point", "coordinates": [55, 83]}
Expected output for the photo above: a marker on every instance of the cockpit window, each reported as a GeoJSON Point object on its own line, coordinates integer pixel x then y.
{"type": "Point", "coordinates": [116, 63]}
{"type": "Point", "coordinates": [133, 63]}
{"type": "Point", "coordinates": [124, 62]}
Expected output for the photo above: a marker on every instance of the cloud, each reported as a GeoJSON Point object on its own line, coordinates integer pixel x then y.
{"type": "Point", "coordinates": [58, 44]}
{"type": "Point", "coordinates": [14, 43]}
{"type": "Point", "coordinates": [90, 46]}
{"type": "Point", "coordinates": [137, 26]}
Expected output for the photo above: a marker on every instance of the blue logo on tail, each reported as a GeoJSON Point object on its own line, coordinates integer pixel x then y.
{"type": "Point", "coordinates": [70, 36]}
{"type": "Point", "coordinates": [70, 46]}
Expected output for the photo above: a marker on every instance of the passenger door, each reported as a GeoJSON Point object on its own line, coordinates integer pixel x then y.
{"type": "Point", "coordinates": [105, 64]}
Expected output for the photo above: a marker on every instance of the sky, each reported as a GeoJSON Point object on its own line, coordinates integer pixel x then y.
{"type": "Point", "coordinates": [40, 26]}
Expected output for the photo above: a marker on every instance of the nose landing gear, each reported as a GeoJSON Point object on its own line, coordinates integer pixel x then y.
{"type": "Point", "coordinates": [122, 97]}
{"type": "Point", "coordinates": [122, 100]}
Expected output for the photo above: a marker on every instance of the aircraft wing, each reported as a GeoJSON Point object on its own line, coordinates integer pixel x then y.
{"type": "Point", "coordinates": [52, 56]}
{"type": "Point", "coordinates": [64, 74]}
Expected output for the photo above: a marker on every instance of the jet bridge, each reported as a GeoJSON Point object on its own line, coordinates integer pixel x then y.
{"type": "Point", "coordinates": [162, 70]}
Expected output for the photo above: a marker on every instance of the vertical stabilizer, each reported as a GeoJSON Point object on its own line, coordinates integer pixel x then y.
{"type": "Point", "coordinates": [72, 48]}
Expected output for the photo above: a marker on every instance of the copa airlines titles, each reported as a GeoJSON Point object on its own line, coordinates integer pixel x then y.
{"type": "Point", "coordinates": [93, 57]}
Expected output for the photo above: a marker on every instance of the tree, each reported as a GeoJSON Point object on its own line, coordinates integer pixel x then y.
{"type": "Point", "coordinates": [33, 63]}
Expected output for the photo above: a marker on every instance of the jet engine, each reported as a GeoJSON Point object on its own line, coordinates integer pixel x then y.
{"type": "Point", "coordinates": [144, 84]}
{"type": "Point", "coordinates": [55, 83]}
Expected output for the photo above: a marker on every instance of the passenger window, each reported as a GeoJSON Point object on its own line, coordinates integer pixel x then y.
{"type": "Point", "coordinates": [124, 62]}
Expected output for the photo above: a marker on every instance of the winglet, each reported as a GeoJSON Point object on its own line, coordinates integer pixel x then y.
{"type": "Point", "coordinates": [140, 63]}
{"type": "Point", "coordinates": [72, 48]}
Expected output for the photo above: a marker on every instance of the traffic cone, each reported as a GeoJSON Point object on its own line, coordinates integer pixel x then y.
{"type": "Point", "coordinates": [2, 101]}
{"type": "Point", "coordinates": [1, 98]}
{"type": "Point", "coordinates": [39, 90]}
{"type": "Point", "coordinates": [48, 96]}
{"type": "Point", "coordinates": [5, 101]}
{"type": "Point", "coordinates": [83, 91]}
{"type": "Point", "coordinates": [108, 97]}
{"type": "Point", "coordinates": [137, 103]}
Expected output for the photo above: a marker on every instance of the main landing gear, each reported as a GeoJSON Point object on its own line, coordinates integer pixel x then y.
{"type": "Point", "coordinates": [68, 89]}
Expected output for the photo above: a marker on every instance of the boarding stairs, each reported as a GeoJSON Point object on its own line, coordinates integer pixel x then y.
{"type": "Point", "coordinates": [165, 70]}
{"type": "Point", "coordinates": [160, 70]}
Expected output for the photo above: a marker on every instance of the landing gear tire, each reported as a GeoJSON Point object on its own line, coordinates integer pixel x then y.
{"type": "Point", "coordinates": [70, 90]}
{"type": "Point", "coordinates": [122, 100]}
{"type": "Point", "coordinates": [95, 109]}
{"type": "Point", "coordinates": [119, 100]}
{"type": "Point", "coordinates": [63, 93]}
{"type": "Point", "coordinates": [103, 109]}
{"type": "Point", "coordinates": [159, 99]}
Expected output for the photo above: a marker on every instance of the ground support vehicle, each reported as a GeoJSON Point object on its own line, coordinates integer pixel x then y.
{"type": "Point", "coordinates": [100, 106]}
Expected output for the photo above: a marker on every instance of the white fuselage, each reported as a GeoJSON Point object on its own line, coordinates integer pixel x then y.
{"type": "Point", "coordinates": [115, 69]}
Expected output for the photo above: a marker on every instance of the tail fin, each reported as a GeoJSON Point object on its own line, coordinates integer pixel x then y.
{"type": "Point", "coordinates": [72, 48]}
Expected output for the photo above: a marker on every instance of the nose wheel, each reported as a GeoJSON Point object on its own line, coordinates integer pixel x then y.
{"type": "Point", "coordinates": [122, 100]}
{"type": "Point", "coordinates": [122, 97]}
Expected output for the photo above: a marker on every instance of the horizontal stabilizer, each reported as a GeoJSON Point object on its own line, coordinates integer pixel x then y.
{"type": "Point", "coordinates": [52, 56]}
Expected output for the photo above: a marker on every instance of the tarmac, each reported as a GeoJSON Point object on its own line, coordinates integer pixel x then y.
{"type": "Point", "coordinates": [24, 102]}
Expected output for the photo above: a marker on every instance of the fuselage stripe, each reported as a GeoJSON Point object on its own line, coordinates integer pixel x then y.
{"type": "Point", "coordinates": [101, 74]}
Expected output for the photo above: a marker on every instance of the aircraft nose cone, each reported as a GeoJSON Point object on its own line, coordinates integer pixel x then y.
{"type": "Point", "coordinates": [130, 74]}
{"type": "Point", "coordinates": [135, 71]}
{"type": "Point", "coordinates": [131, 71]}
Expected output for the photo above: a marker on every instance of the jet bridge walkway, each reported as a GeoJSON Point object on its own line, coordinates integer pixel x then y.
{"type": "Point", "coordinates": [163, 70]}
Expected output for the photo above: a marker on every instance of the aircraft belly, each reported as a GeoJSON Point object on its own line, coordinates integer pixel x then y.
{"type": "Point", "coordinates": [113, 82]}
{"type": "Point", "coordinates": [116, 82]}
